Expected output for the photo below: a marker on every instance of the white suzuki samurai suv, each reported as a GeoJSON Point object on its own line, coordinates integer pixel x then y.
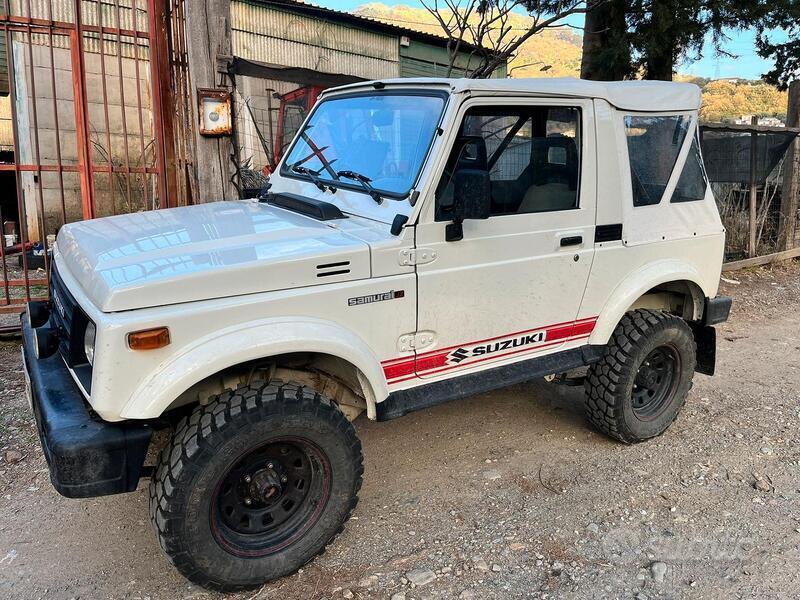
{"type": "Point", "coordinates": [422, 241]}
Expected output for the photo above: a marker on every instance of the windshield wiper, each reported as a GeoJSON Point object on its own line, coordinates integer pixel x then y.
{"type": "Point", "coordinates": [319, 153]}
{"type": "Point", "coordinates": [314, 177]}
{"type": "Point", "coordinates": [365, 183]}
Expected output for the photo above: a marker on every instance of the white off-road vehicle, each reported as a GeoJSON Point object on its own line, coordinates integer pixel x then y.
{"type": "Point", "coordinates": [422, 241]}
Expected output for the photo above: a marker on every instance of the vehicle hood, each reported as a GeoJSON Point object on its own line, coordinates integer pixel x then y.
{"type": "Point", "coordinates": [213, 250]}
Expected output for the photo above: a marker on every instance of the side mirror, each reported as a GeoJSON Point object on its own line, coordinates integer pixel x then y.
{"type": "Point", "coordinates": [471, 200]}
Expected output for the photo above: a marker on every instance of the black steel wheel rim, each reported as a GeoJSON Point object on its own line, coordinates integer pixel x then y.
{"type": "Point", "coordinates": [270, 497]}
{"type": "Point", "coordinates": [656, 382]}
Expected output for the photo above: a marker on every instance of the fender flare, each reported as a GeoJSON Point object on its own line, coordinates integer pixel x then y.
{"type": "Point", "coordinates": [634, 286]}
{"type": "Point", "coordinates": [251, 341]}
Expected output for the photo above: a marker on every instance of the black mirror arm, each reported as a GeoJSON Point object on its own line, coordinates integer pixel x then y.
{"type": "Point", "coordinates": [454, 232]}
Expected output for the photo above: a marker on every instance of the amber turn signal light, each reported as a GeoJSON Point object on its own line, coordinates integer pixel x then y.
{"type": "Point", "coordinates": [149, 339]}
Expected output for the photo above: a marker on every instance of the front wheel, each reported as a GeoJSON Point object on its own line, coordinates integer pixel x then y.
{"type": "Point", "coordinates": [255, 484]}
{"type": "Point", "coordinates": [639, 386]}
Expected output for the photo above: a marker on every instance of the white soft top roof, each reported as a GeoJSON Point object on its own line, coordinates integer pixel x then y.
{"type": "Point", "coordinates": [643, 96]}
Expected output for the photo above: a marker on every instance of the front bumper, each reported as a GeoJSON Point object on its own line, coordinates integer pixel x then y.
{"type": "Point", "coordinates": [87, 456]}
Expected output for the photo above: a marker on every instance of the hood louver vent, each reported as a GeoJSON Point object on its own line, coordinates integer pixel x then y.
{"type": "Point", "coordinates": [330, 269]}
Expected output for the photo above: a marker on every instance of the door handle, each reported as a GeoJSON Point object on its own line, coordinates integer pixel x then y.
{"type": "Point", "coordinates": [573, 240]}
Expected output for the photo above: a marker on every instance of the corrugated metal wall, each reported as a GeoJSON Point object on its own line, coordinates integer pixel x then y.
{"type": "Point", "coordinates": [268, 35]}
{"type": "Point", "coordinates": [116, 14]}
{"type": "Point", "coordinates": [64, 10]}
{"type": "Point", "coordinates": [420, 59]}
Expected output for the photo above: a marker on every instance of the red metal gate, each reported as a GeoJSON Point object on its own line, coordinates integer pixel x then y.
{"type": "Point", "coordinates": [94, 121]}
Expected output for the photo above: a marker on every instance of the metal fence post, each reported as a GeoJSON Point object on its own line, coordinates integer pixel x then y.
{"type": "Point", "coordinates": [164, 107]}
{"type": "Point", "coordinates": [82, 127]}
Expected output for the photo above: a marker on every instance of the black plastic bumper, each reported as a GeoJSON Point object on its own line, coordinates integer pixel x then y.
{"type": "Point", "coordinates": [87, 456]}
{"type": "Point", "coordinates": [717, 310]}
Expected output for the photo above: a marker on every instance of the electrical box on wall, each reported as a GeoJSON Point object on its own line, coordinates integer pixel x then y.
{"type": "Point", "coordinates": [215, 112]}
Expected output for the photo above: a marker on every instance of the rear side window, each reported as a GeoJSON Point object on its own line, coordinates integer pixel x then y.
{"type": "Point", "coordinates": [653, 147]}
{"type": "Point", "coordinates": [692, 184]}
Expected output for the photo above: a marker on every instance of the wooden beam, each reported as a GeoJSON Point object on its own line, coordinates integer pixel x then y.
{"type": "Point", "coordinates": [761, 260]}
{"type": "Point", "coordinates": [788, 230]}
{"type": "Point", "coordinates": [751, 247]}
{"type": "Point", "coordinates": [748, 128]}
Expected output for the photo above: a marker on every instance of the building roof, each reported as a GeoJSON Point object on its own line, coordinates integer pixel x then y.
{"type": "Point", "coordinates": [640, 96]}
{"type": "Point", "coordinates": [361, 21]}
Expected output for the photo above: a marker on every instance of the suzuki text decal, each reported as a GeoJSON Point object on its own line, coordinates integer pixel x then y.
{"type": "Point", "coordinates": [472, 353]}
{"type": "Point", "coordinates": [464, 354]}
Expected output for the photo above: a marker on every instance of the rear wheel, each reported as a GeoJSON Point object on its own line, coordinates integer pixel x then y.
{"type": "Point", "coordinates": [640, 384]}
{"type": "Point", "coordinates": [255, 484]}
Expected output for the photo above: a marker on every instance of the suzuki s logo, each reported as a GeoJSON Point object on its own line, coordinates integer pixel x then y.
{"type": "Point", "coordinates": [460, 355]}
{"type": "Point", "coordinates": [456, 356]}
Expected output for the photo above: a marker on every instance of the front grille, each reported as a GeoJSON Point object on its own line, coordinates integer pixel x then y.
{"type": "Point", "coordinates": [70, 320]}
{"type": "Point", "coordinates": [63, 313]}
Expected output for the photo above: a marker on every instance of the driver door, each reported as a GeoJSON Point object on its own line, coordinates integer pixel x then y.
{"type": "Point", "coordinates": [512, 287]}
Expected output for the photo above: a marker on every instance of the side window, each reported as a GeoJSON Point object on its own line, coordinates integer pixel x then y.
{"type": "Point", "coordinates": [653, 147]}
{"type": "Point", "coordinates": [692, 183]}
{"type": "Point", "coordinates": [532, 154]}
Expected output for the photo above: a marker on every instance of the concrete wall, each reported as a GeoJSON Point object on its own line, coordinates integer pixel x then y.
{"type": "Point", "coordinates": [126, 139]}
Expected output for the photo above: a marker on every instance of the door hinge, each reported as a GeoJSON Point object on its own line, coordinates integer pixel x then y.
{"type": "Point", "coordinates": [417, 256]}
{"type": "Point", "coordinates": [416, 341]}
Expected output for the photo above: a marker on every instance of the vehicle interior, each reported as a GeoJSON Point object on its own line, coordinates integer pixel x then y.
{"type": "Point", "coordinates": [531, 153]}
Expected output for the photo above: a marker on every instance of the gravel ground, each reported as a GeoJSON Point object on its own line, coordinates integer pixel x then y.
{"type": "Point", "coordinates": [505, 495]}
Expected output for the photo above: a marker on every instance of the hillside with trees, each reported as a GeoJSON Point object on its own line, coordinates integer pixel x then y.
{"type": "Point", "coordinates": [726, 99]}
{"type": "Point", "coordinates": [558, 49]}
{"type": "Point", "coordinates": [559, 52]}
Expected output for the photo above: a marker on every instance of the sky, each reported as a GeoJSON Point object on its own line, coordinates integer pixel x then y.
{"type": "Point", "coordinates": [746, 63]}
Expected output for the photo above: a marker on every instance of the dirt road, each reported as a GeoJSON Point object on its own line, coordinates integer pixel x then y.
{"type": "Point", "coordinates": [506, 495]}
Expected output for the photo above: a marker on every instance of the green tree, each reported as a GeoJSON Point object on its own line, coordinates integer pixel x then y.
{"type": "Point", "coordinates": [661, 33]}
{"type": "Point", "coordinates": [781, 15]}
{"type": "Point", "coordinates": [606, 42]}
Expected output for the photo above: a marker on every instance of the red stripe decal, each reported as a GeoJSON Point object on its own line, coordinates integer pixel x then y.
{"type": "Point", "coordinates": [399, 369]}
{"type": "Point", "coordinates": [464, 355]}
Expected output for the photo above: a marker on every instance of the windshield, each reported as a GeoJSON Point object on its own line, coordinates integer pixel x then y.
{"type": "Point", "coordinates": [383, 138]}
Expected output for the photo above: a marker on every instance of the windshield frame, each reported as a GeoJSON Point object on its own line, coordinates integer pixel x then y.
{"type": "Point", "coordinates": [285, 171]}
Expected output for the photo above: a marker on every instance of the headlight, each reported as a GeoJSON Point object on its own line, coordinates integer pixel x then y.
{"type": "Point", "coordinates": [88, 342]}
